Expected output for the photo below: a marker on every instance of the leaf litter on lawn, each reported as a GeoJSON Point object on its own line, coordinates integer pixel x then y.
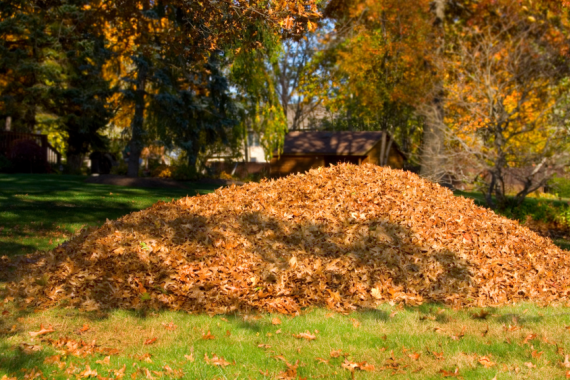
{"type": "Point", "coordinates": [342, 237]}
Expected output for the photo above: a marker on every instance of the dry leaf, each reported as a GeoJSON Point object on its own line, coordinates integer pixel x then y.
{"type": "Point", "coordinates": [149, 341]}
{"type": "Point", "coordinates": [105, 361]}
{"type": "Point", "coordinates": [414, 356]}
{"type": "Point", "coordinates": [530, 365]}
{"type": "Point", "coordinates": [536, 355]}
{"type": "Point", "coordinates": [88, 372]}
{"type": "Point", "coordinates": [455, 373]}
{"type": "Point", "coordinates": [276, 321]}
{"type": "Point", "coordinates": [357, 209]}
{"type": "Point", "coordinates": [306, 335]}
{"type": "Point", "coordinates": [169, 326]}
{"type": "Point", "coordinates": [486, 362]}
{"type": "Point", "coordinates": [216, 361]}
{"type": "Point", "coordinates": [208, 336]}
{"type": "Point", "coordinates": [336, 353]}
{"type": "Point", "coordinates": [190, 357]}
{"type": "Point", "coordinates": [43, 330]}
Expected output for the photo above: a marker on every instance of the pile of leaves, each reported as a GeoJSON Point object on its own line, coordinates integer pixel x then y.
{"type": "Point", "coordinates": [342, 237]}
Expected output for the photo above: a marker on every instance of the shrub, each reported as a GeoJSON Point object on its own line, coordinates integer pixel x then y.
{"type": "Point", "coordinates": [120, 169]}
{"type": "Point", "coordinates": [560, 186]}
{"type": "Point", "coordinates": [5, 164]}
{"type": "Point", "coordinates": [184, 172]}
{"type": "Point", "coordinates": [162, 171]}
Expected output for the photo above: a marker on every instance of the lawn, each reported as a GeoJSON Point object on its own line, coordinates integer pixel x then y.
{"type": "Point", "coordinates": [37, 212]}
{"type": "Point", "coordinates": [427, 342]}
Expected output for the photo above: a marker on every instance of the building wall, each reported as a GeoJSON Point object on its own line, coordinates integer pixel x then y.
{"type": "Point", "coordinates": [286, 165]}
{"type": "Point", "coordinates": [395, 159]}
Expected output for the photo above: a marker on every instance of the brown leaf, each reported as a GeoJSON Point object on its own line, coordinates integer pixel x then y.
{"type": "Point", "coordinates": [190, 357]}
{"type": "Point", "coordinates": [536, 355]}
{"type": "Point", "coordinates": [445, 373]}
{"type": "Point", "coordinates": [88, 372]}
{"type": "Point", "coordinates": [85, 328]}
{"type": "Point", "coordinates": [216, 361]}
{"type": "Point", "coordinates": [149, 341]}
{"type": "Point", "coordinates": [208, 336]}
{"type": "Point", "coordinates": [336, 353]}
{"type": "Point", "coordinates": [530, 365]}
{"type": "Point", "coordinates": [481, 315]}
{"type": "Point", "coordinates": [105, 361]}
{"type": "Point", "coordinates": [306, 335]}
{"type": "Point", "coordinates": [43, 330]}
{"type": "Point", "coordinates": [529, 338]}
{"type": "Point", "coordinates": [276, 321]}
{"type": "Point", "coordinates": [414, 356]}
{"type": "Point", "coordinates": [486, 362]}
{"type": "Point", "coordinates": [321, 360]}
{"type": "Point", "coordinates": [169, 326]}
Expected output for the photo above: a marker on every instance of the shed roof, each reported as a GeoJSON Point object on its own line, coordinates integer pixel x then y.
{"type": "Point", "coordinates": [330, 143]}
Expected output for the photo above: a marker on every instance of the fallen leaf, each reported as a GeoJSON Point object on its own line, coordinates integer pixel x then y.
{"type": "Point", "coordinates": [43, 330]}
{"type": "Point", "coordinates": [414, 356]}
{"type": "Point", "coordinates": [486, 362]}
{"type": "Point", "coordinates": [169, 326]}
{"type": "Point", "coordinates": [149, 341]}
{"type": "Point", "coordinates": [336, 353]}
{"type": "Point", "coordinates": [88, 372]}
{"type": "Point", "coordinates": [306, 335]}
{"type": "Point", "coordinates": [190, 357]}
{"type": "Point", "coordinates": [216, 360]}
{"type": "Point", "coordinates": [105, 361]}
{"type": "Point", "coordinates": [530, 365]}
{"type": "Point", "coordinates": [536, 355]}
{"type": "Point", "coordinates": [84, 328]}
{"type": "Point", "coordinates": [322, 361]}
{"type": "Point", "coordinates": [276, 321]}
{"type": "Point", "coordinates": [445, 373]}
{"type": "Point", "coordinates": [208, 336]}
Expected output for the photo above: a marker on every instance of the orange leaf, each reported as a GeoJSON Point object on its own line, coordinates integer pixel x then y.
{"type": "Point", "coordinates": [43, 330]}
{"type": "Point", "coordinates": [276, 321]}
{"type": "Point", "coordinates": [306, 335]}
{"type": "Point", "coordinates": [208, 336]}
{"type": "Point", "coordinates": [149, 341]}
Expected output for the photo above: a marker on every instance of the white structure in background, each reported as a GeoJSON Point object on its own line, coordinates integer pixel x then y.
{"type": "Point", "coordinates": [255, 151]}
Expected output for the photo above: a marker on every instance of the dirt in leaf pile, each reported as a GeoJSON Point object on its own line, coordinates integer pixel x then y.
{"type": "Point", "coordinates": [342, 237]}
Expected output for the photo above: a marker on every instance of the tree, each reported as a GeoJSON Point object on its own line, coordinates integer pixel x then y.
{"type": "Point", "coordinates": [190, 32]}
{"type": "Point", "coordinates": [506, 100]}
{"type": "Point", "coordinates": [25, 65]}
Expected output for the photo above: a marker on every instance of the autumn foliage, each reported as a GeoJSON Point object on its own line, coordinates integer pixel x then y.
{"type": "Point", "coordinates": [343, 237]}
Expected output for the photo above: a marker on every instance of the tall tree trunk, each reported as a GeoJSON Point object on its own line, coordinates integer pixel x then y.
{"type": "Point", "coordinates": [137, 123]}
{"type": "Point", "coordinates": [432, 139]}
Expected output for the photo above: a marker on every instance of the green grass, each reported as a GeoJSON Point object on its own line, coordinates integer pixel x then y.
{"type": "Point", "coordinates": [260, 349]}
{"type": "Point", "coordinates": [37, 212]}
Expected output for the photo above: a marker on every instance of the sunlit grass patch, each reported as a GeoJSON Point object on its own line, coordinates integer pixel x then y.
{"type": "Point", "coordinates": [423, 342]}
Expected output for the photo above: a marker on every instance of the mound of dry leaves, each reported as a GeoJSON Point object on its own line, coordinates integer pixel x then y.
{"type": "Point", "coordinates": [343, 237]}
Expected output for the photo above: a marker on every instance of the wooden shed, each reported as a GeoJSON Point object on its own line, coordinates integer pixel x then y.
{"type": "Point", "coordinates": [307, 150]}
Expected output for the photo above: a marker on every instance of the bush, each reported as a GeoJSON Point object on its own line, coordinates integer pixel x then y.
{"type": "Point", "coordinates": [120, 169]}
{"type": "Point", "coordinates": [5, 164]}
{"type": "Point", "coordinates": [560, 186]}
{"type": "Point", "coordinates": [162, 171]}
{"type": "Point", "coordinates": [184, 172]}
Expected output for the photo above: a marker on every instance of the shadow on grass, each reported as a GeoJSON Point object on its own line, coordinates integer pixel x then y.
{"type": "Point", "coordinates": [41, 206]}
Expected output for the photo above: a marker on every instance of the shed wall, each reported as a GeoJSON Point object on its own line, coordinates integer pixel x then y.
{"type": "Point", "coordinates": [286, 165]}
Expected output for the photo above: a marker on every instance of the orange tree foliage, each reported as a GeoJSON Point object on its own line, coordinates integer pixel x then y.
{"type": "Point", "coordinates": [507, 94]}
{"type": "Point", "coordinates": [343, 237]}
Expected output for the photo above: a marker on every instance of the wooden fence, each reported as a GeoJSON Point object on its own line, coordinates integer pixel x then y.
{"type": "Point", "coordinates": [7, 140]}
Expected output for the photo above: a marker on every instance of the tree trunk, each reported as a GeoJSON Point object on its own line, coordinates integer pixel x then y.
{"type": "Point", "coordinates": [432, 141]}
{"type": "Point", "coordinates": [75, 162]}
{"type": "Point", "coordinates": [137, 123]}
